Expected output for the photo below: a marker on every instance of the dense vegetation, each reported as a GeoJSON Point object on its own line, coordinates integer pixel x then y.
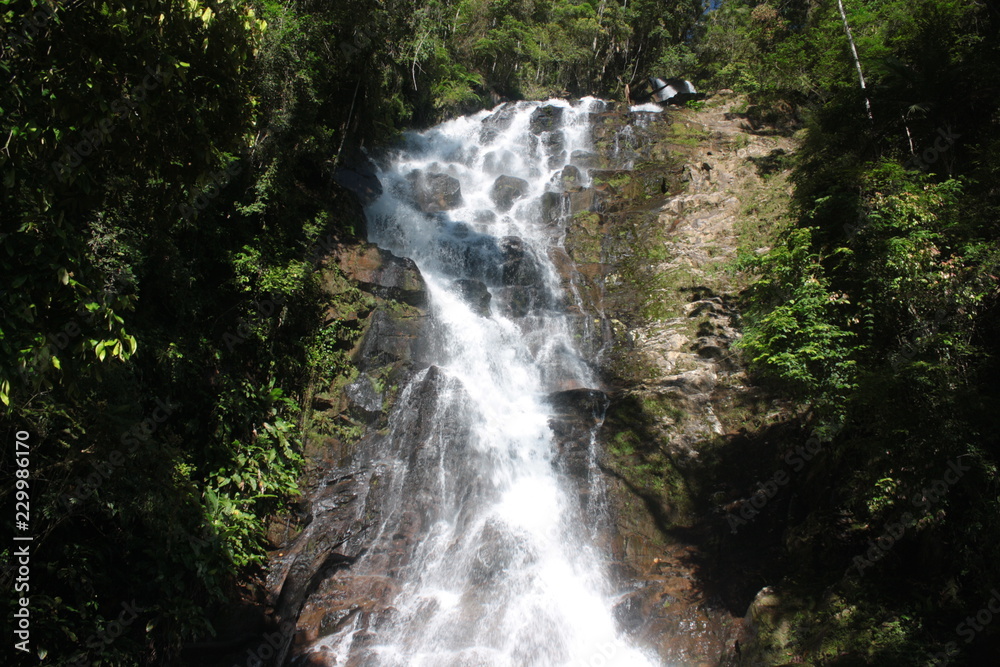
{"type": "Point", "coordinates": [167, 192]}
{"type": "Point", "coordinates": [878, 308]}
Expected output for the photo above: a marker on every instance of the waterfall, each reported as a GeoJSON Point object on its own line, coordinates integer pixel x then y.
{"type": "Point", "coordinates": [505, 569]}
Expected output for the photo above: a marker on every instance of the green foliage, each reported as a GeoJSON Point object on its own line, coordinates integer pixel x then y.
{"type": "Point", "coordinates": [795, 334]}
{"type": "Point", "coordinates": [161, 243]}
{"type": "Point", "coordinates": [880, 304]}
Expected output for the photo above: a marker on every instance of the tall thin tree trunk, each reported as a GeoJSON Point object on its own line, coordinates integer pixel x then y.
{"type": "Point", "coordinates": [857, 61]}
{"type": "Point", "coordinates": [909, 137]}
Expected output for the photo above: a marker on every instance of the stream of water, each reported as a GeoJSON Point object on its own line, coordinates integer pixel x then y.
{"type": "Point", "coordinates": [505, 571]}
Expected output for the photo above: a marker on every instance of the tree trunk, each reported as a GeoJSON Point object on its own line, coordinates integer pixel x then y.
{"type": "Point", "coordinates": [857, 61]}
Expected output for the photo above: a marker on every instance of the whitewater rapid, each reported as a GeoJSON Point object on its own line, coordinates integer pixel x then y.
{"type": "Point", "coordinates": [505, 572]}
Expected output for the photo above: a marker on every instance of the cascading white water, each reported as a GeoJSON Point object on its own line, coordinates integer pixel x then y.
{"type": "Point", "coordinates": [505, 572]}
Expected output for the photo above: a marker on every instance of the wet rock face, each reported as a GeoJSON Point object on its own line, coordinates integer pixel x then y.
{"type": "Point", "coordinates": [506, 190]}
{"type": "Point", "coordinates": [433, 192]}
{"type": "Point", "coordinates": [586, 160]}
{"type": "Point", "coordinates": [390, 340]}
{"type": "Point", "coordinates": [314, 577]}
{"type": "Point", "coordinates": [476, 294]}
{"type": "Point", "coordinates": [582, 201]}
{"type": "Point", "coordinates": [575, 414]}
{"type": "Point", "coordinates": [384, 274]}
{"type": "Point", "coordinates": [571, 179]}
{"type": "Point", "coordinates": [551, 208]}
{"type": "Point", "coordinates": [363, 397]}
{"type": "Point", "coordinates": [667, 598]}
{"type": "Point", "coordinates": [520, 292]}
{"type": "Point", "coordinates": [518, 265]}
{"type": "Point", "coordinates": [395, 481]}
{"type": "Point", "coordinates": [497, 122]}
{"type": "Point", "coordinates": [554, 144]}
{"type": "Point", "coordinates": [360, 179]}
{"type": "Point", "coordinates": [545, 119]}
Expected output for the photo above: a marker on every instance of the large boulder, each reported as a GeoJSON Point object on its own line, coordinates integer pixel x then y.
{"type": "Point", "coordinates": [360, 178]}
{"type": "Point", "coordinates": [555, 148]}
{"type": "Point", "coordinates": [554, 142]}
{"type": "Point", "coordinates": [552, 208]}
{"type": "Point", "coordinates": [520, 300]}
{"type": "Point", "coordinates": [571, 179]}
{"type": "Point", "coordinates": [518, 264]}
{"type": "Point", "coordinates": [545, 119]}
{"type": "Point", "coordinates": [584, 200]}
{"type": "Point", "coordinates": [383, 274]}
{"type": "Point", "coordinates": [497, 122]}
{"type": "Point", "coordinates": [506, 190]}
{"type": "Point", "coordinates": [576, 412]}
{"type": "Point", "coordinates": [476, 294]}
{"type": "Point", "coordinates": [435, 192]}
{"type": "Point", "coordinates": [363, 397]}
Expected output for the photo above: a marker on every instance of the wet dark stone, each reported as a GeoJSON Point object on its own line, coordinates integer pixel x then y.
{"type": "Point", "coordinates": [585, 159]}
{"type": "Point", "coordinates": [585, 404]}
{"type": "Point", "coordinates": [435, 192]}
{"type": "Point", "coordinates": [363, 397]}
{"type": "Point", "coordinates": [555, 161]}
{"type": "Point", "coordinates": [552, 208]}
{"type": "Point", "coordinates": [571, 179]}
{"type": "Point", "coordinates": [629, 612]}
{"type": "Point", "coordinates": [389, 340]}
{"type": "Point", "coordinates": [555, 143]}
{"type": "Point", "coordinates": [575, 414]}
{"type": "Point", "coordinates": [545, 119]}
{"type": "Point", "coordinates": [470, 255]}
{"type": "Point", "coordinates": [497, 552]}
{"type": "Point", "coordinates": [360, 179]}
{"type": "Point", "coordinates": [497, 122]}
{"type": "Point", "coordinates": [476, 294]}
{"type": "Point", "coordinates": [519, 300]}
{"type": "Point", "coordinates": [507, 189]}
{"type": "Point", "coordinates": [519, 266]}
